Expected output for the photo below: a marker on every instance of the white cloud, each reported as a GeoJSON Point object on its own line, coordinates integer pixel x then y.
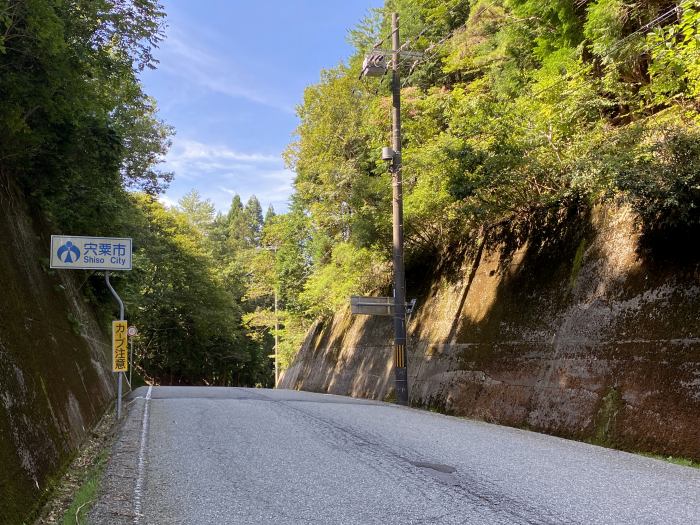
{"type": "Point", "coordinates": [190, 160]}
{"type": "Point", "coordinates": [191, 150]}
{"type": "Point", "coordinates": [181, 58]}
{"type": "Point", "coordinates": [219, 172]}
{"type": "Point", "coordinates": [166, 201]}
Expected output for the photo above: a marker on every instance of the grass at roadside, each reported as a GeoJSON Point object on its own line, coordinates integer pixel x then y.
{"type": "Point", "coordinates": [76, 514]}
{"type": "Point", "coordinates": [684, 462]}
{"type": "Point", "coordinates": [71, 498]}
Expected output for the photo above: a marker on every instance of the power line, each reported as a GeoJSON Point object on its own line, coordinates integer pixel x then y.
{"type": "Point", "coordinates": [435, 46]}
{"type": "Point", "coordinates": [380, 42]}
{"type": "Point", "coordinates": [482, 141]}
{"type": "Point", "coordinates": [644, 30]}
{"type": "Point", "coordinates": [415, 38]}
{"type": "Point", "coordinates": [658, 20]}
{"type": "Point", "coordinates": [425, 29]}
{"type": "Point", "coordinates": [444, 39]}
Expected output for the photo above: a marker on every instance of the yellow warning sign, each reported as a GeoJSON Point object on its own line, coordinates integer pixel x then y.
{"type": "Point", "coordinates": [120, 345]}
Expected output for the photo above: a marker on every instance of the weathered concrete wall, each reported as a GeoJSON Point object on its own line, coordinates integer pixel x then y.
{"type": "Point", "coordinates": [55, 378]}
{"type": "Point", "coordinates": [573, 327]}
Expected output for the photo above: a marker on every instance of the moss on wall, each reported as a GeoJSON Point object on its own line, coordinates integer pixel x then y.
{"type": "Point", "coordinates": [570, 322]}
{"type": "Point", "coordinates": [610, 407]}
{"type": "Point", "coordinates": [54, 378]}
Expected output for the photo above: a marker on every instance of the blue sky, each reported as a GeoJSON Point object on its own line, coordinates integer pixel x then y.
{"type": "Point", "coordinates": [230, 76]}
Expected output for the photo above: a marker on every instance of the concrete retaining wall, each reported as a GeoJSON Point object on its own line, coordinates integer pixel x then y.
{"type": "Point", "coordinates": [571, 325]}
{"type": "Point", "coordinates": [55, 378]}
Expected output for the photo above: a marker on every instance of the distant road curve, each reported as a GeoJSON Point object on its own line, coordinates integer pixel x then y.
{"type": "Point", "coordinates": [196, 455]}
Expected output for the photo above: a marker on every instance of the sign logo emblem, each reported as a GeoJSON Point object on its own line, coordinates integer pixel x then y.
{"type": "Point", "coordinates": [67, 251]}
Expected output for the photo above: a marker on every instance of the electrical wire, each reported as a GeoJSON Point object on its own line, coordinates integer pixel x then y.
{"type": "Point", "coordinates": [646, 27]}
{"type": "Point", "coordinates": [444, 39]}
{"type": "Point", "coordinates": [643, 30]}
{"type": "Point", "coordinates": [381, 82]}
{"type": "Point", "coordinates": [415, 38]}
{"type": "Point", "coordinates": [658, 20]}
{"type": "Point", "coordinates": [380, 42]}
{"type": "Point", "coordinates": [437, 44]}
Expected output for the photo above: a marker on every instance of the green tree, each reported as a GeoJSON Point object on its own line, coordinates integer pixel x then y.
{"type": "Point", "coordinates": [76, 125]}
{"type": "Point", "coordinates": [518, 106]}
{"type": "Point", "coordinates": [192, 327]}
{"type": "Point", "coordinates": [199, 212]}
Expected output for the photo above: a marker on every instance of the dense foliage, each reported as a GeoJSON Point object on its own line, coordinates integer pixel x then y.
{"type": "Point", "coordinates": [516, 106]}
{"type": "Point", "coordinates": [82, 140]}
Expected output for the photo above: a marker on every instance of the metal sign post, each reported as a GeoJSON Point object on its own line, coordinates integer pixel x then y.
{"type": "Point", "coordinates": [386, 306]}
{"type": "Point", "coordinates": [77, 252]}
{"type": "Point", "coordinates": [119, 363]}
{"type": "Point", "coordinates": [371, 305]}
{"type": "Point", "coordinates": [131, 332]}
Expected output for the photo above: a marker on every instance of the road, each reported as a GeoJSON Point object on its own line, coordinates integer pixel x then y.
{"type": "Point", "coordinates": [190, 455]}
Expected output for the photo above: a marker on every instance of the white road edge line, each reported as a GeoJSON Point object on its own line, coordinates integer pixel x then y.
{"type": "Point", "coordinates": [138, 487]}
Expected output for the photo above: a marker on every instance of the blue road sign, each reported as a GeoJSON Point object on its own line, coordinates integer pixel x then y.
{"type": "Point", "coordinates": [90, 253]}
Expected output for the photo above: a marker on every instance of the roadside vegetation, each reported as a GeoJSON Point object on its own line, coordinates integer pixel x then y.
{"type": "Point", "coordinates": [83, 141]}
{"type": "Point", "coordinates": [71, 497]}
{"type": "Point", "coordinates": [683, 462]}
{"type": "Point", "coordinates": [516, 107]}
{"type": "Point", "coordinates": [87, 494]}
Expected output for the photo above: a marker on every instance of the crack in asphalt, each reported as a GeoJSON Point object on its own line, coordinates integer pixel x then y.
{"type": "Point", "coordinates": [469, 487]}
{"type": "Point", "coordinates": [290, 457]}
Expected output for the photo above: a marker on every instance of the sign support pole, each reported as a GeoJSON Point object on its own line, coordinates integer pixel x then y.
{"type": "Point", "coordinates": [277, 329]}
{"type": "Point", "coordinates": [121, 318]}
{"type": "Point", "coordinates": [131, 362]}
{"type": "Point", "coordinates": [79, 252]}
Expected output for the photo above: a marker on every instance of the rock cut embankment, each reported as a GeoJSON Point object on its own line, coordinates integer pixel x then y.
{"type": "Point", "coordinates": [574, 325]}
{"type": "Point", "coordinates": [55, 379]}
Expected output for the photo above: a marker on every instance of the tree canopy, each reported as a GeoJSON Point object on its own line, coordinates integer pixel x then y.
{"type": "Point", "coordinates": [84, 142]}
{"type": "Point", "coordinates": [516, 106]}
{"type": "Point", "coordinates": [513, 107]}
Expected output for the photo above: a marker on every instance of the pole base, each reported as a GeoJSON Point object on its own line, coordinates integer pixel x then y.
{"type": "Point", "coordinates": [401, 378]}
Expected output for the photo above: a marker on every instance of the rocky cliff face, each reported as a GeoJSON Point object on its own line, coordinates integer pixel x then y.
{"type": "Point", "coordinates": [55, 378]}
{"type": "Point", "coordinates": [575, 325]}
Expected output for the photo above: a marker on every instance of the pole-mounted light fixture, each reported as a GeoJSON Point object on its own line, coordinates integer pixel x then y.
{"type": "Point", "coordinates": [388, 154]}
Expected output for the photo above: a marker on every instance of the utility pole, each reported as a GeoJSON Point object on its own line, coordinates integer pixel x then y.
{"type": "Point", "coordinates": [374, 66]}
{"type": "Point", "coordinates": [400, 370]}
{"type": "Point", "coordinates": [277, 323]}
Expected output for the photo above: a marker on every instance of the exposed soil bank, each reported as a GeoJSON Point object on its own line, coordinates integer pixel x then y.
{"type": "Point", "coordinates": [54, 364]}
{"type": "Point", "coordinates": [573, 325]}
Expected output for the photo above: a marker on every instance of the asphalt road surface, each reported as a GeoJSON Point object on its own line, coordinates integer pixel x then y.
{"type": "Point", "coordinates": [188, 455]}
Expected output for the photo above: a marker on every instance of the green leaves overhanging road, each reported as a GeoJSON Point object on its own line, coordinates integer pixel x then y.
{"type": "Point", "coordinates": [516, 107]}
